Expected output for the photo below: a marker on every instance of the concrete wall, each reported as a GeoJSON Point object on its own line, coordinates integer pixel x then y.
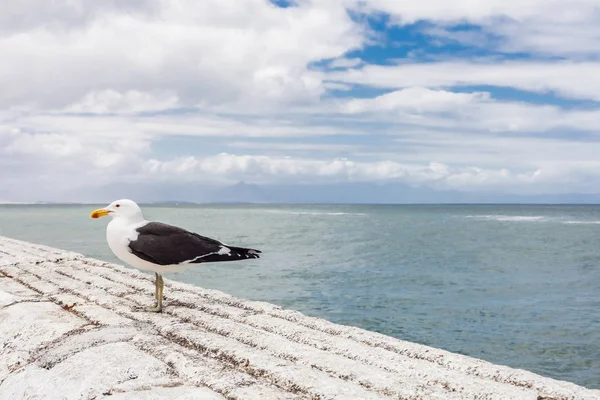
{"type": "Point", "coordinates": [75, 328]}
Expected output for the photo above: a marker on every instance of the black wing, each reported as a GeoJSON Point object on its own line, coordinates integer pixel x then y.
{"type": "Point", "coordinates": [165, 244]}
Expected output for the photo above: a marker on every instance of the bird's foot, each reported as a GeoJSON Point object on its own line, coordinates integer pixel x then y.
{"type": "Point", "coordinates": [157, 308]}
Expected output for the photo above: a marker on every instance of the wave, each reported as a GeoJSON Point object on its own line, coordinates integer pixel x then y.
{"type": "Point", "coordinates": [531, 218]}
{"type": "Point", "coordinates": [509, 218]}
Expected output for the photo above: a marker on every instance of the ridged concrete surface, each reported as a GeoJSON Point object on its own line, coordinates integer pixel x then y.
{"type": "Point", "coordinates": [75, 328]}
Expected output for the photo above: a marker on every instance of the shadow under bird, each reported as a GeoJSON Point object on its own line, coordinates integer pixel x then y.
{"type": "Point", "coordinates": [159, 247]}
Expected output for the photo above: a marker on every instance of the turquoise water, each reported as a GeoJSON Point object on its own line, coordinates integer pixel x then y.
{"type": "Point", "coordinates": [514, 285]}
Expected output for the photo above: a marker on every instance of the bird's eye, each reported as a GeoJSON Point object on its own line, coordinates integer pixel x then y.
{"type": "Point", "coordinates": [117, 205]}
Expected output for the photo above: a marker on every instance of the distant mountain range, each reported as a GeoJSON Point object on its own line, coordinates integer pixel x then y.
{"type": "Point", "coordinates": [357, 193]}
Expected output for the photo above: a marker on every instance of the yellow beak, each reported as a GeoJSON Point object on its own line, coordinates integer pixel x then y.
{"type": "Point", "coordinates": [101, 212]}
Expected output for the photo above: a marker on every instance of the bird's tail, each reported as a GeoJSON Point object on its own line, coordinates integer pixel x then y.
{"type": "Point", "coordinates": [228, 253]}
{"type": "Point", "coordinates": [241, 253]}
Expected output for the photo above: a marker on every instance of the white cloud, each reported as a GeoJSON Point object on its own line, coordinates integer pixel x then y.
{"type": "Point", "coordinates": [544, 26]}
{"type": "Point", "coordinates": [415, 99]}
{"type": "Point", "coordinates": [62, 163]}
{"type": "Point", "coordinates": [577, 80]}
{"type": "Point", "coordinates": [82, 152]}
{"type": "Point", "coordinates": [566, 35]}
{"type": "Point", "coordinates": [278, 147]}
{"type": "Point", "coordinates": [209, 53]}
{"type": "Point", "coordinates": [476, 111]}
{"type": "Point", "coordinates": [109, 101]}
{"type": "Point", "coordinates": [187, 124]}
{"type": "Point", "coordinates": [345, 62]}
{"type": "Point", "coordinates": [337, 86]}
{"type": "Point", "coordinates": [407, 12]}
{"type": "Point", "coordinates": [233, 168]}
{"type": "Point", "coordinates": [405, 110]}
{"type": "Point", "coordinates": [433, 137]}
{"type": "Point", "coordinates": [41, 166]}
{"type": "Point", "coordinates": [19, 16]}
{"type": "Point", "coordinates": [493, 152]}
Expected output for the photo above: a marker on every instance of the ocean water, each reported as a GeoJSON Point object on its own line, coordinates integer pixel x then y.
{"type": "Point", "coordinates": [513, 285]}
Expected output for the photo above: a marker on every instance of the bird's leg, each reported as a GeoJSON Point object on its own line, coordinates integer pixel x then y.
{"type": "Point", "coordinates": [156, 289]}
{"type": "Point", "coordinates": [158, 294]}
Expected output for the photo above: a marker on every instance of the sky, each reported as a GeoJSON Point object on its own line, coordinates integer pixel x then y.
{"type": "Point", "coordinates": [496, 95]}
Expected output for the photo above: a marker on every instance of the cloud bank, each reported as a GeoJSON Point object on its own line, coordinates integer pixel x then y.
{"type": "Point", "coordinates": [499, 96]}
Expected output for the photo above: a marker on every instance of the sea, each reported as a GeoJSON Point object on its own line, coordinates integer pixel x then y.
{"type": "Point", "coordinates": [517, 285]}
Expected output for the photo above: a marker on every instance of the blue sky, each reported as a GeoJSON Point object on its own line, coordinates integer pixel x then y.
{"type": "Point", "coordinates": [499, 96]}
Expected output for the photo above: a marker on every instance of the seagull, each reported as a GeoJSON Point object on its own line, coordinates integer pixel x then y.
{"type": "Point", "coordinates": [159, 247]}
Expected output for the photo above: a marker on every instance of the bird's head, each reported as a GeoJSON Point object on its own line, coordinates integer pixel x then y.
{"type": "Point", "coordinates": [123, 208]}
